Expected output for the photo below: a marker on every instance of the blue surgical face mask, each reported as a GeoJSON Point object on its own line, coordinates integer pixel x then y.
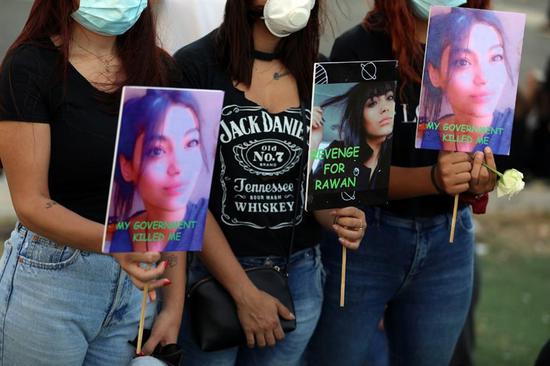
{"type": "Point", "coordinates": [109, 17]}
{"type": "Point", "coordinates": [421, 8]}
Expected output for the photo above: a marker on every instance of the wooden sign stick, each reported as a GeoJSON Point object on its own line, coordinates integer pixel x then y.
{"type": "Point", "coordinates": [343, 277]}
{"type": "Point", "coordinates": [453, 221]}
{"type": "Point", "coordinates": [142, 318]}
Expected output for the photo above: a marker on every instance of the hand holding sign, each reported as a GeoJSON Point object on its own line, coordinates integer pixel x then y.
{"type": "Point", "coordinates": [349, 224]}
{"type": "Point", "coordinates": [165, 149]}
{"type": "Point", "coordinates": [482, 180]}
{"type": "Point", "coordinates": [132, 264]}
{"type": "Point", "coordinates": [452, 173]}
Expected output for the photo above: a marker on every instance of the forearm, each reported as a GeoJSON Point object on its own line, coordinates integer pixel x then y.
{"type": "Point", "coordinates": [50, 219]}
{"type": "Point", "coordinates": [173, 296]}
{"type": "Point", "coordinates": [221, 261]}
{"type": "Point", "coordinates": [410, 182]}
{"type": "Point", "coordinates": [25, 151]}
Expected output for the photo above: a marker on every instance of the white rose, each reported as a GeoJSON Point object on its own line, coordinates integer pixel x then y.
{"type": "Point", "coordinates": [510, 183]}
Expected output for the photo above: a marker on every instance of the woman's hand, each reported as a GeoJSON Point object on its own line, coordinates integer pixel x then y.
{"type": "Point", "coordinates": [165, 331]}
{"type": "Point", "coordinates": [258, 311]}
{"type": "Point", "coordinates": [453, 172]}
{"type": "Point", "coordinates": [349, 224]}
{"type": "Point", "coordinates": [482, 180]}
{"type": "Point", "coordinates": [259, 316]}
{"type": "Point", "coordinates": [317, 123]}
{"type": "Point", "coordinates": [132, 264]}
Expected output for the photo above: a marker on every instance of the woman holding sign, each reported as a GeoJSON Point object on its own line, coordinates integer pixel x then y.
{"type": "Point", "coordinates": [405, 271]}
{"type": "Point", "coordinates": [259, 175]}
{"type": "Point", "coordinates": [63, 302]}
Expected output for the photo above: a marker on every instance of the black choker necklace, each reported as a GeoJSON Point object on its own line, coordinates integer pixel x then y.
{"type": "Point", "coordinates": [264, 56]}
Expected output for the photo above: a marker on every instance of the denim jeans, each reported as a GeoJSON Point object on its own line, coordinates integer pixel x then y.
{"type": "Point", "coordinates": [63, 306]}
{"type": "Point", "coordinates": [305, 283]}
{"type": "Point", "coordinates": [408, 265]}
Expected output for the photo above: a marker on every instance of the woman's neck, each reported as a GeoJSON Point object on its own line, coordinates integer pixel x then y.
{"type": "Point", "coordinates": [264, 41]}
{"type": "Point", "coordinates": [420, 30]}
{"type": "Point", "coordinates": [97, 44]}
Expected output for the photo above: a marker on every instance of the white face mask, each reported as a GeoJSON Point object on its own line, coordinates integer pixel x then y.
{"type": "Point", "coordinates": [284, 17]}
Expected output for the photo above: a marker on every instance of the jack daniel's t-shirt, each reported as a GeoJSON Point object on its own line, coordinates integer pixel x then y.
{"type": "Point", "coordinates": [257, 170]}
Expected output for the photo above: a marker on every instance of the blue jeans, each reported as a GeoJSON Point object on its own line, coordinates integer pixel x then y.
{"type": "Point", "coordinates": [63, 306]}
{"type": "Point", "coordinates": [305, 283]}
{"type": "Point", "coordinates": [408, 265]}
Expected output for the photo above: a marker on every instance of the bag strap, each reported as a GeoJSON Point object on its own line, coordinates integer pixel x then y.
{"type": "Point", "coordinates": [298, 189]}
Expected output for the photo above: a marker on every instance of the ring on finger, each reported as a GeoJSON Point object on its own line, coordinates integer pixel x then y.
{"type": "Point", "coordinates": [334, 222]}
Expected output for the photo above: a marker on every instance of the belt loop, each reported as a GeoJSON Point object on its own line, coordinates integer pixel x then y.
{"type": "Point", "coordinates": [22, 230]}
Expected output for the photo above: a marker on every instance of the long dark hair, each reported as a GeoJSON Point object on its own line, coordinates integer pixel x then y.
{"type": "Point", "coordinates": [142, 61]}
{"type": "Point", "coordinates": [396, 19]}
{"type": "Point", "coordinates": [144, 115]}
{"type": "Point", "coordinates": [298, 52]}
{"type": "Point", "coordinates": [352, 130]}
{"type": "Point", "coordinates": [451, 30]}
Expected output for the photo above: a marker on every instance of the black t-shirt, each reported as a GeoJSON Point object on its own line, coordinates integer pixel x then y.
{"type": "Point", "coordinates": [256, 174]}
{"type": "Point", "coordinates": [358, 44]}
{"type": "Point", "coordinates": [33, 89]}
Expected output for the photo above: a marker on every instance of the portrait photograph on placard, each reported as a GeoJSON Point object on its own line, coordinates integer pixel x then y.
{"type": "Point", "coordinates": [470, 80]}
{"type": "Point", "coordinates": [162, 172]}
{"type": "Point", "coordinates": [352, 117]}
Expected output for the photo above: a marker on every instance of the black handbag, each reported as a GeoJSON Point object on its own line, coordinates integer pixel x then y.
{"type": "Point", "coordinates": [214, 317]}
{"type": "Point", "coordinates": [214, 320]}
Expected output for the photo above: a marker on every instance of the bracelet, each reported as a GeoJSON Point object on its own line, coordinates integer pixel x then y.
{"type": "Point", "coordinates": [434, 182]}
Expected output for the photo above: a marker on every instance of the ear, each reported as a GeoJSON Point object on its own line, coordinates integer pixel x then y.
{"type": "Point", "coordinates": [435, 76]}
{"type": "Point", "coordinates": [127, 169]}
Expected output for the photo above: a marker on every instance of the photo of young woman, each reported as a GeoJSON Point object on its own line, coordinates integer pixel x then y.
{"type": "Point", "coordinates": [363, 119]}
{"type": "Point", "coordinates": [161, 155]}
{"type": "Point", "coordinates": [470, 80]}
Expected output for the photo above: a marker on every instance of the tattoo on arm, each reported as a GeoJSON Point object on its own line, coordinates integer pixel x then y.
{"type": "Point", "coordinates": [172, 260]}
{"type": "Point", "coordinates": [50, 204]}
